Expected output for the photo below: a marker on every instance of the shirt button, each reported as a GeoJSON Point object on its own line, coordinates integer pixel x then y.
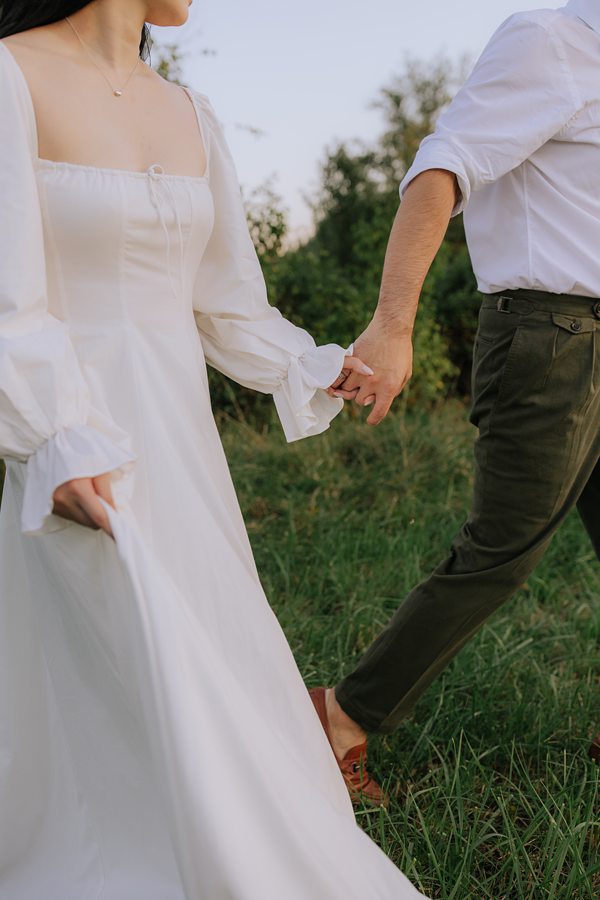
{"type": "Point", "coordinates": [576, 325]}
{"type": "Point", "coordinates": [597, 310]}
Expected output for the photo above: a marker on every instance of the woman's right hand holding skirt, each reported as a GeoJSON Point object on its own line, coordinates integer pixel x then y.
{"type": "Point", "coordinates": [78, 501]}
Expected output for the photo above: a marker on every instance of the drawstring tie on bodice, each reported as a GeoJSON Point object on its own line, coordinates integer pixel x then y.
{"type": "Point", "coordinates": [154, 172]}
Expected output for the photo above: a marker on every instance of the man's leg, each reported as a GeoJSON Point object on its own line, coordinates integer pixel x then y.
{"type": "Point", "coordinates": [537, 408]}
{"type": "Point", "coordinates": [589, 508]}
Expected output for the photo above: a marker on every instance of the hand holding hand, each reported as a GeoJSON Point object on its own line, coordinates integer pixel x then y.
{"type": "Point", "coordinates": [352, 364]}
{"type": "Point", "coordinates": [78, 500]}
{"type": "Point", "coordinates": [391, 355]}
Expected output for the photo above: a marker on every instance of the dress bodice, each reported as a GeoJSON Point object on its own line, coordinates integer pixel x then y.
{"type": "Point", "coordinates": [117, 289]}
{"type": "Point", "coordinates": [122, 245]}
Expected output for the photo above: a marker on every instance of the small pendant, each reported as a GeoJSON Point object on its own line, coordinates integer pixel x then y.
{"type": "Point", "coordinates": [118, 93]}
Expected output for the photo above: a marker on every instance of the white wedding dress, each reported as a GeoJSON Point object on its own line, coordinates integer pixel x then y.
{"type": "Point", "coordinates": [156, 738]}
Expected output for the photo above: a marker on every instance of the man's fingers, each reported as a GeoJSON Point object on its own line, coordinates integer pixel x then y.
{"type": "Point", "coordinates": [344, 394]}
{"type": "Point", "coordinates": [355, 380]}
{"type": "Point", "coordinates": [366, 390]}
{"type": "Point", "coordinates": [382, 406]}
{"type": "Point", "coordinates": [360, 383]}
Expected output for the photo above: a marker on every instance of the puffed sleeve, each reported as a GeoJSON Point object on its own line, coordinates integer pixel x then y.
{"type": "Point", "coordinates": [47, 423]}
{"type": "Point", "coordinates": [243, 336]}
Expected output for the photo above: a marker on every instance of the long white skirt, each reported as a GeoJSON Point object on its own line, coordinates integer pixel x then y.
{"type": "Point", "coordinates": [156, 738]}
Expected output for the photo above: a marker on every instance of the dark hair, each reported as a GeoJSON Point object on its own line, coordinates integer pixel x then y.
{"type": "Point", "coordinates": [21, 15]}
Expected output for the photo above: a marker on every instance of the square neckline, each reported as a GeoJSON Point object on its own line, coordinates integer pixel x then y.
{"type": "Point", "coordinates": [41, 162]}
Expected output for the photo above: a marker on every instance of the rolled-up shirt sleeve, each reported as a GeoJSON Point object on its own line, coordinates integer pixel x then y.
{"type": "Point", "coordinates": [520, 94]}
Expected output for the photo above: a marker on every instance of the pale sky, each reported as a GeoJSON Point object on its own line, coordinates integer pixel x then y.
{"type": "Point", "coordinates": [305, 72]}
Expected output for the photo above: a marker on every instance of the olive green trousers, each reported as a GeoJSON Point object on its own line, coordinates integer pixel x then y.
{"type": "Point", "coordinates": [536, 405]}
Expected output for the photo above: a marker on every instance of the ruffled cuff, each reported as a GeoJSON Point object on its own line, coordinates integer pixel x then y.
{"type": "Point", "coordinates": [77, 452]}
{"type": "Point", "coordinates": [303, 406]}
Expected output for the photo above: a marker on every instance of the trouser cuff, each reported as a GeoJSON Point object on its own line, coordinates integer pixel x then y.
{"type": "Point", "coordinates": [363, 717]}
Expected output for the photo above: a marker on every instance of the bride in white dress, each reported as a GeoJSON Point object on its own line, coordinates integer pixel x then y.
{"type": "Point", "coordinates": [156, 738]}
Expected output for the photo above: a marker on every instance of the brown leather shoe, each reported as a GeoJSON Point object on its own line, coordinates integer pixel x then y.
{"type": "Point", "coordinates": [361, 787]}
{"type": "Point", "coordinates": [594, 750]}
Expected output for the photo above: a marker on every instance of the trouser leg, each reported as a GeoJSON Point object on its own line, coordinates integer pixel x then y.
{"type": "Point", "coordinates": [589, 508]}
{"type": "Point", "coordinates": [537, 408]}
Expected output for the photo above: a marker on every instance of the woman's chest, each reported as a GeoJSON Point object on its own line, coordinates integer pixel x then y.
{"type": "Point", "coordinates": [80, 120]}
{"type": "Point", "coordinates": [104, 224]}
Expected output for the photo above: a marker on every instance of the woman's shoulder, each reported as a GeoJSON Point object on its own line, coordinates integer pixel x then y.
{"type": "Point", "coordinates": [205, 105]}
{"type": "Point", "coordinates": [200, 99]}
{"type": "Point", "coordinates": [18, 117]}
{"type": "Point", "coordinates": [28, 47]}
{"type": "Point", "coordinates": [24, 55]}
{"type": "Point", "coordinates": [8, 53]}
{"type": "Point", "coordinates": [12, 74]}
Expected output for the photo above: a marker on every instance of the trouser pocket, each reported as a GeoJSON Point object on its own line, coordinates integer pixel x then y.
{"type": "Point", "coordinates": [496, 343]}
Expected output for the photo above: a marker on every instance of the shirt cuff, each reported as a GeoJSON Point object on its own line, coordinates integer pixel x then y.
{"type": "Point", "coordinates": [436, 156]}
{"type": "Point", "coordinates": [77, 452]}
{"type": "Point", "coordinates": [303, 407]}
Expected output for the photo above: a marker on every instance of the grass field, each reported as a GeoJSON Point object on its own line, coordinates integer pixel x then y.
{"type": "Point", "coordinates": [494, 794]}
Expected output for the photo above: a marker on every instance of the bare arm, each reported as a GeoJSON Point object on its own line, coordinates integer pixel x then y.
{"type": "Point", "coordinates": [386, 344]}
{"type": "Point", "coordinates": [417, 233]}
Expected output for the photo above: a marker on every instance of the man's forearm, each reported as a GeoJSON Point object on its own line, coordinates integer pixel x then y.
{"type": "Point", "coordinates": [416, 236]}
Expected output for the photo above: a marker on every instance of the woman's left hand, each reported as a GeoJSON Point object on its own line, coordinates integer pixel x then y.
{"type": "Point", "coordinates": [352, 365]}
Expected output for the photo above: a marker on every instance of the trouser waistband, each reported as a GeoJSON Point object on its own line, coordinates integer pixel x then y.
{"type": "Point", "coordinates": [523, 302]}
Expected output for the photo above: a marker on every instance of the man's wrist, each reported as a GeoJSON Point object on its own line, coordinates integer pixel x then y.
{"type": "Point", "coordinates": [394, 324]}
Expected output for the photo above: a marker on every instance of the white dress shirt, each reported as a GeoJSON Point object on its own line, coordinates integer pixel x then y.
{"type": "Point", "coordinates": [523, 138]}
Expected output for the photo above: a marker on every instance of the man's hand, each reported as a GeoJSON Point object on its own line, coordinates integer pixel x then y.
{"type": "Point", "coordinates": [386, 345]}
{"type": "Point", "coordinates": [391, 357]}
{"type": "Point", "coordinates": [78, 500]}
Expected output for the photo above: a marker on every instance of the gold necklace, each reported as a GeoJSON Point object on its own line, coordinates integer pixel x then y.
{"type": "Point", "coordinates": [117, 92]}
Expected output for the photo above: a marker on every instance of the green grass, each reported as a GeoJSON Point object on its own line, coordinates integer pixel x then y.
{"type": "Point", "coordinates": [494, 796]}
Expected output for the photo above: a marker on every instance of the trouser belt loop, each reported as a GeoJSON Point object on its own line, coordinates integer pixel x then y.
{"type": "Point", "coordinates": [524, 302]}
{"type": "Point", "coordinates": [507, 303]}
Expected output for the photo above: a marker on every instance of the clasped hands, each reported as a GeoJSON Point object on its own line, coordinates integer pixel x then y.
{"type": "Point", "coordinates": [374, 376]}
{"type": "Point", "coordinates": [377, 372]}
